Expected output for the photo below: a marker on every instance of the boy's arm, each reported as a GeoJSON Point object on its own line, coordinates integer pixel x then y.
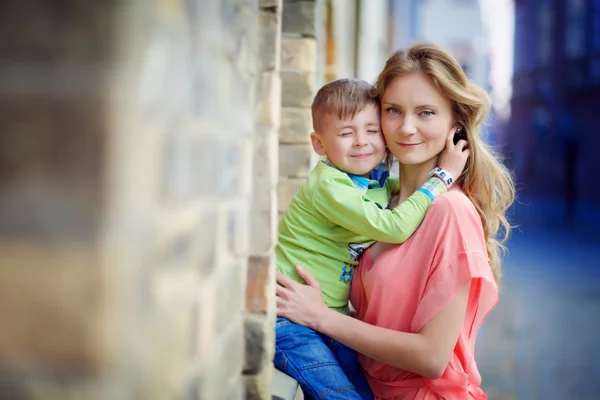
{"type": "Point", "coordinates": [341, 203]}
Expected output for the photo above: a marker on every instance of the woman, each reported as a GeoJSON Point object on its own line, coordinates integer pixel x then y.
{"type": "Point", "coordinates": [419, 305]}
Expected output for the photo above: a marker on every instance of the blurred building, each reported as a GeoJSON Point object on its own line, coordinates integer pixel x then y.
{"type": "Point", "coordinates": [455, 25]}
{"type": "Point", "coordinates": [556, 95]}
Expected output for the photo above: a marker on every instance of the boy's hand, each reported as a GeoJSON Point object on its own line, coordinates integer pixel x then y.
{"type": "Point", "coordinates": [454, 157]}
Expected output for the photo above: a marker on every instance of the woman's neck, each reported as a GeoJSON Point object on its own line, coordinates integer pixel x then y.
{"type": "Point", "coordinates": [413, 176]}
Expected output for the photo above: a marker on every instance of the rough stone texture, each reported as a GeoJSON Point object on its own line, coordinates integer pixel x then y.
{"type": "Point", "coordinates": [270, 38]}
{"type": "Point", "coordinates": [260, 289]}
{"type": "Point", "coordinates": [298, 54]}
{"type": "Point", "coordinates": [296, 125]}
{"type": "Point", "coordinates": [298, 89]}
{"type": "Point", "coordinates": [294, 160]}
{"type": "Point", "coordinates": [268, 106]}
{"type": "Point", "coordinates": [299, 17]}
{"type": "Point", "coordinates": [259, 342]}
{"type": "Point", "coordinates": [126, 185]}
{"type": "Point", "coordinates": [256, 388]}
{"type": "Point", "coordinates": [257, 288]}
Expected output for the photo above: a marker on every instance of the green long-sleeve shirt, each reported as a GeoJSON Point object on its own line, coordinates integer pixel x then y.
{"type": "Point", "coordinates": [330, 222]}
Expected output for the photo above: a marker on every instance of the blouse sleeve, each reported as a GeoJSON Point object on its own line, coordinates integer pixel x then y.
{"type": "Point", "coordinates": [459, 256]}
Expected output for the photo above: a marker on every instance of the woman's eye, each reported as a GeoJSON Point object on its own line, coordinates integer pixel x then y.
{"type": "Point", "coordinates": [346, 133]}
{"type": "Point", "coordinates": [393, 110]}
{"type": "Point", "coordinates": [427, 113]}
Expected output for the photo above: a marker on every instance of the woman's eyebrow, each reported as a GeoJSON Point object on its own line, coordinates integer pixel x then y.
{"type": "Point", "coordinates": [427, 106]}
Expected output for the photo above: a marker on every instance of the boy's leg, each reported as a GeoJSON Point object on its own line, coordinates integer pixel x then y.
{"type": "Point", "coordinates": [301, 353]}
{"type": "Point", "coordinates": [348, 360]}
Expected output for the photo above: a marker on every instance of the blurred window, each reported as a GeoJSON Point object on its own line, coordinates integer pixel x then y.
{"type": "Point", "coordinates": [596, 26]}
{"type": "Point", "coordinates": [546, 27]}
{"type": "Point", "coordinates": [575, 29]}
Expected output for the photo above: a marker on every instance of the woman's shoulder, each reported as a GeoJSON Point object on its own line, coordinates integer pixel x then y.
{"type": "Point", "coordinates": [454, 203]}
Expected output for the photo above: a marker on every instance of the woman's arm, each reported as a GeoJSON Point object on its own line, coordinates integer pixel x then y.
{"type": "Point", "coordinates": [426, 352]}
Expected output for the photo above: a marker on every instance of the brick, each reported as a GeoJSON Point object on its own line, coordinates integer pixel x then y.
{"type": "Point", "coordinates": [234, 391]}
{"type": "Point", "coordinates": [41, 34]}
{"type": "Point", "coordinates": [268, 102]}
{"type": "Point", "coordinates": [241, 40]}
{"type": "Point", "coordinates": [270, 40]}
{"type": "Point", "coordinates": [263, 221]}
{"type": "Point", "coordinates": [266, 158]}
{"type": "Point", "coordinates": [232, 281]}
{"type": "Point", "coordinates": [259, 283]}
{"type": "Point", "coordinates": [270, 3]}
{"type": "Point", "coordinates": [204, 330]}
{"type": "Point", "coordinates": [286, 189]}
{"type": "Point", "coordinates": [260, 339]}
{"type": "Point", "coordinates": [299, 54]}
{"type": "Point", "coordinates": [294, 160]}
{"type": "Point", "coordinates": [53, 306]}
{"type": "Point", "coordinates": [238, 220]}
{"type": "Point", "coordinates": [258, 386]}
{"type": "Point", "coordinates": [296, 125]}
{"type": "Point", "coordinates": [299, 18]}
{"type": "Point", "coordinates": [206, 245]}
{"type": "Point", "coordinates": [298, 89]}
{"type": "Point", "coordinates": [225, 365]}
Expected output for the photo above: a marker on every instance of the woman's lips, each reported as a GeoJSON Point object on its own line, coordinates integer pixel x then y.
{"type": "Point", "coordinates": [408, 145]}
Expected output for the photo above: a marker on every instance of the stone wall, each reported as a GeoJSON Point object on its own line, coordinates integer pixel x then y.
{"type": "Point", "coordinates": [298, 76]}
{"type": "Point", "coordinates": [138, 167]}
{"type": "Point", "coordinates": [260, 290]}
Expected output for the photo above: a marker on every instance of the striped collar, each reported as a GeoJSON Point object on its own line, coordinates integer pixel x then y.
{"type": "Point", "coordinates": [376, 180]}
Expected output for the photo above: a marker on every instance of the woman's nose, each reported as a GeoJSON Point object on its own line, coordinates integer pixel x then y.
{"type": "Point", "coordinates": [408, 126]}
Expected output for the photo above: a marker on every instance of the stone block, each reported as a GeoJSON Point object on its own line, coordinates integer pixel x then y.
{"type": "Point", "coordinates": [299, 18]}
{"type": "Point", "coordinates": [294, 160]}
{"type": "Point", "coordinates": [263, 221]}
{"type": "Point", "coordinates": [260, 339]}
{"type": "Point", "coordinates": [286, 189]}
{"type": "Point", "coordinates": [258, 386]}
{"type": "Point", "coordinates": [297, 89]}
{"type": "Point", "coordinates": [54, 307]}
{"type": "Point", "coordinates": [206, 245]}
{"type": "Point", "coordinates": [270, 4]}
{"type": "Point", "coordinates": [260, 281]}
{"type": "Point", "coordinates": [270, 40]}
{"type": "Point", "coordinates": [296, 125]}
{"type": "Point", "coordinates": [266, 159]}
{"type": "Point", "coordinates": [224, 367]}
{"type": "Point", "coordinates": [268, 102]}
{"type": "Point", "coordinates": [299, 54]}
{"type": "Point", "coordinates": [232, 281]}
{"type": "Point", "coordinates": [236, 390]}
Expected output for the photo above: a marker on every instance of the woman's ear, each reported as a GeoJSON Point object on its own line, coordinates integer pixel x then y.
{"type": "Point", "coordinates": [317, 143]}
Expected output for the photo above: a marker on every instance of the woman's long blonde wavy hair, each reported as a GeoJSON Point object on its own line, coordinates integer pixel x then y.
{"type": "Point", "coordinates": [485, 180]}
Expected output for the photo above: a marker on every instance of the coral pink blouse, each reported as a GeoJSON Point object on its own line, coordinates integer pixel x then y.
{"type": "Point", "coordinates": [411, 283]}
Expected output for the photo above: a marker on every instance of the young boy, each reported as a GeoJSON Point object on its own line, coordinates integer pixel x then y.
{"type": "Point", "coordinates": [336, 214]}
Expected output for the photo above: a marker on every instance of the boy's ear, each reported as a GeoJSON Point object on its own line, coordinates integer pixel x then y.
{"type": "Point", "coordinates": [317, 144]}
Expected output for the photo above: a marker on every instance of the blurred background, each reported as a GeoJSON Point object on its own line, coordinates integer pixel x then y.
{"type": "Point", "coordinates": [148, 147]}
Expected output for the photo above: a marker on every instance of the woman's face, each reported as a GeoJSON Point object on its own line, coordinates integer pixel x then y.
{"type": "Point", "coordinates": [415, 118]}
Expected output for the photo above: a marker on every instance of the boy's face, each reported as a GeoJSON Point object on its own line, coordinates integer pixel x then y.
{"type": "Point", "coordinates": [354, 145]}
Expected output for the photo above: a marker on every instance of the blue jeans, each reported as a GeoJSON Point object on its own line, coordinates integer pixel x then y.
{"type": "Point", "coordinates": [325, 368]}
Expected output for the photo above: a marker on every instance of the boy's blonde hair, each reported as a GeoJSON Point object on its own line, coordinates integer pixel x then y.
{"type": "Point", "coordinates": [342, 97]}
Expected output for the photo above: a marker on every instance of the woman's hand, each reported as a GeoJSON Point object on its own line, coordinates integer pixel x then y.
{"type": "Point", "coordinates": [302, 304]}
{"type": "Point", "coordinates": [455, 156]}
